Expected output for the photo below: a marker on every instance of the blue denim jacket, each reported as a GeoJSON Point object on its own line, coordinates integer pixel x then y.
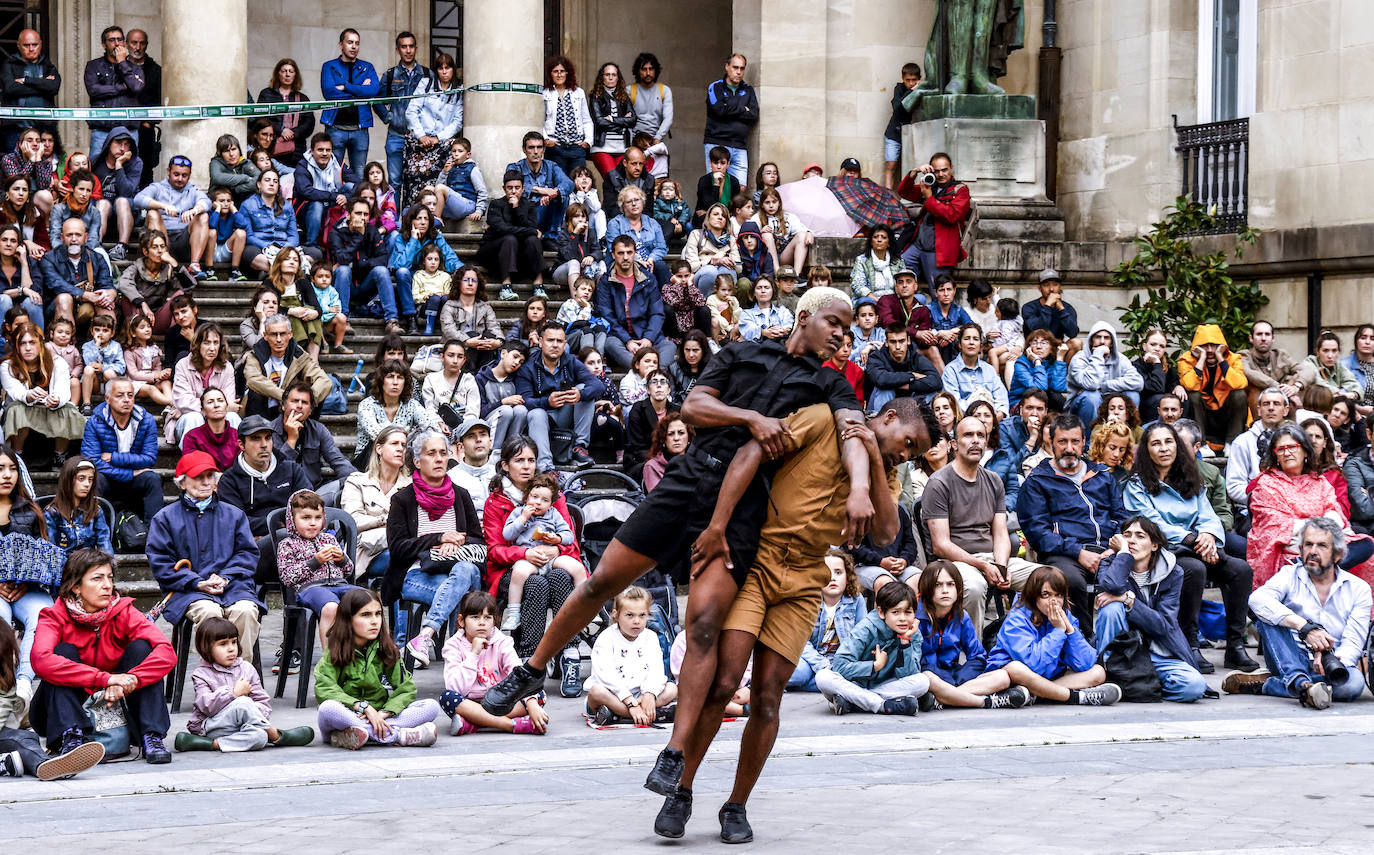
{"type": "Point", "coordinates": [78, 532]}
{"type": "Point", "coordinates": [848, 612]}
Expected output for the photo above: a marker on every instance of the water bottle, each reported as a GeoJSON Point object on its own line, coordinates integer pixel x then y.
{"type": "Point", "coordinates": [356, 384]}
{"type": "Point", "coordinates": [429, 321]}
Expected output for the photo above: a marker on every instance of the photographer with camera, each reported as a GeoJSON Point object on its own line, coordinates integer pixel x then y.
{"type": "Point", "coordinates": [936, 247]}
{"type": "Point", "coordinates": [1313, 618]}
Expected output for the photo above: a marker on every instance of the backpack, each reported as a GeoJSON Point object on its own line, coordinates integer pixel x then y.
{"type": "Point", "coordinates": [130, 533]}
{"type": "Point", "coordinates": [1128, 664]}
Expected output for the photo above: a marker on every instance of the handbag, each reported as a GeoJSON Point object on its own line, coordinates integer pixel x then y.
{"type": "Point", "coordinates": [447, 413]}
{"type": "Point", "coordinates": [110, 724]}
{"type": "Point", "coordinates": [435, 562]}
{"type": "Point", "coordinates": [1128, 664]}
{"type": "Point", "coordinates": [561, 445]}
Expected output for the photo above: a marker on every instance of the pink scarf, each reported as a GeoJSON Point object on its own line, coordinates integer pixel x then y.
{"type": "Point", "coordinates": [436, 501]}
{"type": "Point", "coordinates": [90, 620]}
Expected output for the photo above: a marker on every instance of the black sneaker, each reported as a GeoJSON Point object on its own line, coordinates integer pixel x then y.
{"type": "Point", "coordinates": [734, 824]}
{"type": "Point", "coordinates": [671, 821]}
{"type": "Point", "coordinates": [154, 751]}
{"type": "Point", "coordinates": [522, 682]}
{"type": "Point", "coordinates": [12, 766]}
{"type": "Point", "coordinates": [665, 715]}
{"type": "Point", "coordinates": [839, 706]}
{"type": "Point", "coordinates": [293, 665]}
{"type": "Point", "coordinates": [69, 763]}
{"type": "Point", "coordinates": [928, 703]}
{"type": "Point", "coordinates": [602, 716]}
{"type": "Point", "coordinates": [571, 684]}
{"type": "Point", "coordinates": [900, 706]}
{"type": "Point", "coordinates": [1013, 698]}
{"type": "Point", "coordinates": [236, 275]}
{"type": "Point", "coordinates": [663, 778]}
{"type": "Point", "coordinates": [581, 459]}
{"type": "Point", "coordinates": [71, 740]}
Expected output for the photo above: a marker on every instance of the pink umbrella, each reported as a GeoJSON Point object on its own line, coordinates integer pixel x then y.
{"type": "Point", "coordinates": [818, 209]}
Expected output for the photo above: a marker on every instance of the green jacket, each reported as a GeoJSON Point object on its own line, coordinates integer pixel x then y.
{"type": "Point", "coordinates": [1216, 493]}
{"type": "Point", "coordinates": [363, 680]}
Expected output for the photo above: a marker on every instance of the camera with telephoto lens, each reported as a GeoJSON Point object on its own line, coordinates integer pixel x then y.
{"type": "Point", "coordinates": [1334, 668]}
{"type": "Point", "coordinates": [928, 179]}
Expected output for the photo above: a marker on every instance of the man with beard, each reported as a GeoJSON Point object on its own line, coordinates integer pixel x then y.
{"type": "Point", "coordinates": [1313, 618]}
{"type": "Point", "coordinates": [1266, 366]}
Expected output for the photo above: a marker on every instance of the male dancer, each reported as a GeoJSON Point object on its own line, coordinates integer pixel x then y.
{"type": "Point", "coordinates": [774, 613]}
{"type": "Point", "coordinates": [747, 390]}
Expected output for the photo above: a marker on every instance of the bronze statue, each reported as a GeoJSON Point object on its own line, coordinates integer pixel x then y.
{"type": "Point", "coordinates": [969, 44]}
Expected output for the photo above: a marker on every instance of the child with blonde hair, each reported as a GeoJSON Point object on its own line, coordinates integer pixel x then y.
{"type": "Point", "coordinates": [628, 680]}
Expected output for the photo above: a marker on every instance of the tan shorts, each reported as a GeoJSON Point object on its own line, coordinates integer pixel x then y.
{"type": "Point", "coordinates": [779, 602]}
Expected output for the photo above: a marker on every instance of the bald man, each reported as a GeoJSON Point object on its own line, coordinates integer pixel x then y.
{"type": "Point", "coordinates": [27, 79]}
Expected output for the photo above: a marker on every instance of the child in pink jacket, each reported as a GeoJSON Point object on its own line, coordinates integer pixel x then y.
{"type": "Point", "coordinates": [478, 657]}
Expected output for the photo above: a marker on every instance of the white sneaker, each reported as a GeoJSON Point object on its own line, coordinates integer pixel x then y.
{"type": "Point", "coordinates": [422, 737]}
{"type": "Point", "coordinates": [512, 619]}
{"type": "Point", "coordinates": [419, 648]}
{"type": "Point", "coordinates": [23, 689]}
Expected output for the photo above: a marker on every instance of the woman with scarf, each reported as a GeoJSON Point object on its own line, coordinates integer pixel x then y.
{"type": "Point", "coordinates": [543, 592]}
{"type": "Point", "coordinates": [435, 539]}
{"type": "Point", "coordinates": [94, 641]}
{"type": "Point", "coordinates": [567, 122]}
{"type": "Point", "coordinates": [149, 284]}
{"type": "Point", "coordinates": [432, 124]}
{"type": "Point", "coordinates": [711, 250]}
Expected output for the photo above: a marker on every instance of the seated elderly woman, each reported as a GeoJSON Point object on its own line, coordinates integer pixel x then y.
{"type": "Point", "coordinates": [1288, 490]}
{"type": "Point", "coordinates": [94, 641]}
{"type": "Point", "coordinates": [435, 539]}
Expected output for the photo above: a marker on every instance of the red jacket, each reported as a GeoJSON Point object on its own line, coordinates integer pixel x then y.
{"type": "Point", "coordinates": [853, 373]}
{"type": "Point", "coordinates": [501, 554]}
{"type": "Point", "coordinates": [947, 213]}
{"type": "Point", "coordinates": [99, 650]}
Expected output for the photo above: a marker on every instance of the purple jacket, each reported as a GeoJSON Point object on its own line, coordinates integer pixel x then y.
{"type": "Point", "coordinates": [214, 688]}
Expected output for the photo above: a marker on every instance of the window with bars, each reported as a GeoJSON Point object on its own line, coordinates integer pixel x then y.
{"type": "Point", "coordinates": [446, 28]}
{"type": "Point", "coordinates": [19, 15]}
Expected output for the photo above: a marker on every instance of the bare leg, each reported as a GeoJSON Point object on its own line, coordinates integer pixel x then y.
{"type": "Point", "coordinates": [1094, 676]}
{"type": "Point", "coordinates": [986, 683]}
{"type": "Point", "coordinates": [17, 439]}
{"type": "Point", "coordinates": [952, 696]}
{"type": "Point", "coordinates": [200, 235]}
{"type": "Point", "coordinates": [735, 649]}
{"type": "Point", "coordinates": [771, 672]}
{"type": "Point", "coordinates": [326, 621]}
{"type": "Point", "coordinates": [890, 174]}
{"type": "Point", "coordinates": [711, 595]}
{"type": "Point", "coordinates": [471, 711]}
{"type": "Point", "coordinates": [619, 567]}
{"type": "Point", "coordinates": [1050, 690]}
{"type": "Point", "coordinates": [124, 219]}
{"type": "Point", "coordinates": [236, 244]}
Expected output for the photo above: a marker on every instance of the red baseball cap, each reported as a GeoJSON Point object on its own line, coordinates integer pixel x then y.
{"type": "Point", "coordinates": [196, 463]}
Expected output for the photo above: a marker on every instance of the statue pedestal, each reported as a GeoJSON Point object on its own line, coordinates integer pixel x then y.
{"type": "Point", "coordinates": [932, 107]}
{"type": "Point", "coordinates": [998, 158]}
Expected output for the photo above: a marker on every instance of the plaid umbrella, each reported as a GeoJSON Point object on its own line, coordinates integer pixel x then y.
{"type": "Point", "coordinates": [868, 203]}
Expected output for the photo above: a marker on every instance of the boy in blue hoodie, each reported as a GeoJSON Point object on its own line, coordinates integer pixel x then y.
{"type": "Point", "coordinates": [878, 668]}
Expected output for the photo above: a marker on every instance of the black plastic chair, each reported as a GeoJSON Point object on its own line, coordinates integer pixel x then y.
{"type": "Point", "coordinates": [299, 624]}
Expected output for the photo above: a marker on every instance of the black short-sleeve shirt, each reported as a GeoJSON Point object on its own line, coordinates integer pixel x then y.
{"type": "Point", "coordinates": [762, 376]}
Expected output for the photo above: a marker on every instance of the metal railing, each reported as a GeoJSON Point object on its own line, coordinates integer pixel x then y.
{"type": "Point", "coordinates": [1216, 169]}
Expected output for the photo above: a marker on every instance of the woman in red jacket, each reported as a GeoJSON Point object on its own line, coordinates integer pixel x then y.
{"type": "Point", "coordinates": [542, 592]}
{"type": "Point", "coordinates": [91, 640]}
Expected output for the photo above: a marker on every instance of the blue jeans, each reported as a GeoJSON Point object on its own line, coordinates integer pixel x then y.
{"type": "Point", "coordinates": [1290, 662]}
{"type": "Point", "coordinates": [32, 309]}
{"type": "Point", "coordinates": [355, 143]}
{"type": "Point", "coordinates": [803, 679]}
{"type": "Point", "coordinates": [739, 162]}
{"type": "Point", "coordinates": [1357, 552]}
{"type": "Point", "coordinates": [1181, 681]}
{"type": "Point", "coordinates": [405, 295]}
{"type": "Point", "coordinates": [395, 163]}
{"type": "Point", "coordinates": [442, 591]}
{"type": "Point", "coordinates": [25, 610]}
{"type": "Point", "coordinates": [98, 136]}
{"type": "Point", "coordinates": [705, 278]}
{"type": "Point", "coordinates": [312, 220]}
{"type": "Point", "coordinates": [1085, 404]}
{"type": "Point", "coordinates": [619, 355]}
{"type": "Point", "coordinates": [923, 263]}
{"type": "Point", "coordinates": [565, 157]}
{"type": "Point", "coordinates": [378, 281]}
{"type": "Point", "coordinates": [577, 417]}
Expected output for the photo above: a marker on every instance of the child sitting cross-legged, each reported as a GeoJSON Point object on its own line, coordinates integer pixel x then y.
{"type": "Point", "coordinates": [479, 657]}
{"type": "Point", "coordinates": [232, 711]}
{"type": "Point", "coordinates": [536, 523]}
{"type": "Point", "coordinates": [1040, 647]}
{"type": "Point", "coordinates": [627, 679]}
{"type": "Point", "coordinates": [364, 690]}
{"type": "Point", "coordinates": [878, 668]}
{"type": "Point", "coordinates": [310, 560]}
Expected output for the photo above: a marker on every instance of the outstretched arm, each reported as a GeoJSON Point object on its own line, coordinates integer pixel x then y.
{"type": "Point", "coordinates": [859, 460]}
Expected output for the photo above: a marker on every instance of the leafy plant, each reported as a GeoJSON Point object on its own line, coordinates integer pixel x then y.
{"type": "Point", "coordinates": [1184, 289]}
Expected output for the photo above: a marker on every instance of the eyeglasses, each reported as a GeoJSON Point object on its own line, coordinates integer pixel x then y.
{"type": "Point", "coordinates": [1287, 449]}
{"type": "Point", "coordinates": [181, 160]}
{"type": "Point", "coordinates": [658, 381]}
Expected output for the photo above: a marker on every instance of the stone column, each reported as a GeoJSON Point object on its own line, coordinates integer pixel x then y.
{"type": "Point", "coordinates": [503, 40]}
{"type": "Point", "coordinates": [785, 42]}
{"type": "Point", "coordinates": [204, 61]}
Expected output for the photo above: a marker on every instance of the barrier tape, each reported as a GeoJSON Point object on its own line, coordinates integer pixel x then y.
{"type": "Point", "coordinates": [239, 111]}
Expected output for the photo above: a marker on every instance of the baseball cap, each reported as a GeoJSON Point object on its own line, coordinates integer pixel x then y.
{"type": "Point", "coordinates": [195, 463]}
{"type": "Point", "coordinates": [906, 271]}
{"type": "Point", "coordinates": [811, 166]}
{"type": "Point", "coordinates": [252, 425]}
{"type": "Point", "coordinates": [1048, 274]}
{"type": "Point", "coordinates": [851, 163]}
{"type": "Point", "coordinates": [785, 273]}
{"type": "Point", "coordinates": [468, 425]}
